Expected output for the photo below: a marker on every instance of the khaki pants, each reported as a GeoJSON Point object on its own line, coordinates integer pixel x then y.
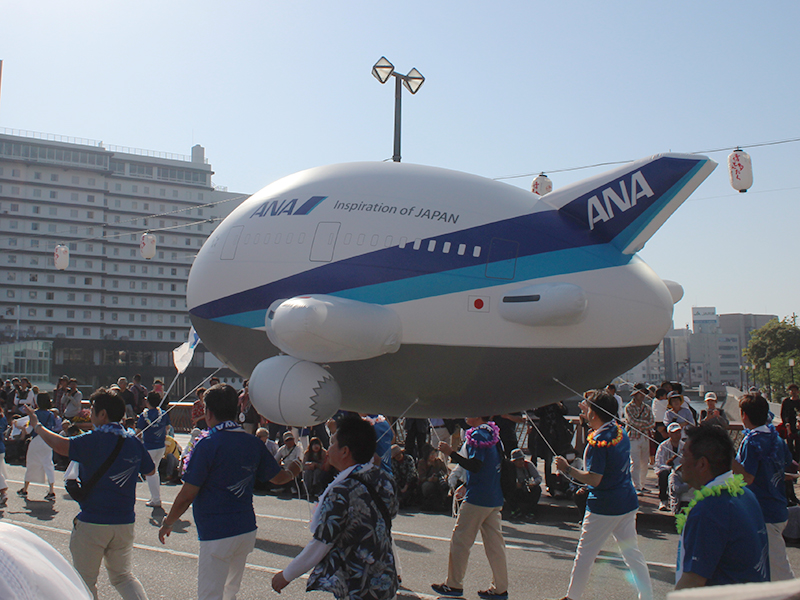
{"type": "Point", "coordinates": [471, 519]}
{"type": "Point", "coordinates": [90, 544]}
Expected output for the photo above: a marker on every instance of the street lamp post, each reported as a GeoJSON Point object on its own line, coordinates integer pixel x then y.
{"type": "Point", "coordinates": [769, 384]}
{"type": "Point", "coordinates": [382, 70]}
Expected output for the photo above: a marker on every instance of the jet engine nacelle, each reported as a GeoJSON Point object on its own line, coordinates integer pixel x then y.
{"type": "Point", "coordinates": [294, 392]}
{"type": "Point", "coordinates": [326, 329]}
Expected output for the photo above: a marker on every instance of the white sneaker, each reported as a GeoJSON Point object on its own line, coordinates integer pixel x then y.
{"type": "Point", "coordinates": [662, 506]}
{"type": "Point", "coordinates": [153, 504]}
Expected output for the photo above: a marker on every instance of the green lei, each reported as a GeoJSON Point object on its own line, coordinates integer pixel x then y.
{"type": "Point", "coordinates": [733, 485]}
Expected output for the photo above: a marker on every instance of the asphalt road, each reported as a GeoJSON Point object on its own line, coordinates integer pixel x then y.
{"type": "Point", "coordinates": [539, 554]}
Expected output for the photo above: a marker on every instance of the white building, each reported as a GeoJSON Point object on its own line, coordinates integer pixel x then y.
{"type": "Point", "coordinates": [98, 200]}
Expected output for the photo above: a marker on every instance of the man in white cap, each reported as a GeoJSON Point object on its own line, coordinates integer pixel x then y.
{"type": "Point", "coordinates": [668, 457]}
{"type": "Point", "coordinates": [712, 415]}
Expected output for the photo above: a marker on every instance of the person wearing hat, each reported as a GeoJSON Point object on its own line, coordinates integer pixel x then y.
{"type": "Point", "coordinates": [711, 414]}
{"type": "Point", "coordinates": [640, 421]}
{"type": "Point", "coordinates": [405, 473]}
{"type": "Point", "coordinates": [678, 412]}
{"type": "Point", "coordinates": [668, 458]}
{"type": "Point", "coordinates": [790, 407]}
{"type": "Point", "coordinates": [529, 486]}
{"type": "Point", "coordinates": [290, 453]}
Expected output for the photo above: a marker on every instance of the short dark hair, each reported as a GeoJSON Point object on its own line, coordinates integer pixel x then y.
{"type": "Point", "coordinates": [222, 401]}
{"type": "Point", "coordinates": [111, 402]}
{"type": "Point", "coordinates": [359, 435]}
{"type": "Point", "coordinates": [153, 399]}
{"type": "Point", "coordinates": [755, 407]}
{"type": "Point", "coordinates": [661, 393]}
{"type": "Point", "coordinates": [604, 405]}
{"type": "Point", "coordinates": [611, 386]}
{"type": "Point", "coordinates": [43, 401]}
{"type": "Point", "coordinates": [677, 387]}
{"type": "Point", "coordinates": [714, 444]}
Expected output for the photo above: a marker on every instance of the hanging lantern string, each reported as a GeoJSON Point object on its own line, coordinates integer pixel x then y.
{"type": "Point", "coordinates": [622, 162]}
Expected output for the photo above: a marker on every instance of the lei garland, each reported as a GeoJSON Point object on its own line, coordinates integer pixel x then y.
{"type": "Point", "coordinates": [734, 486]}
{"type": "Point", "coordinates": [193, 444]}
{"type": "Point", "coordinates": [495, 431]}
{"type": "Point", "coordinates": [603, 443]}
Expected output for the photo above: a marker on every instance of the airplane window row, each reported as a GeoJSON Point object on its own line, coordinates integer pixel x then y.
{"type": "Point", "coordinates": [360, 240]}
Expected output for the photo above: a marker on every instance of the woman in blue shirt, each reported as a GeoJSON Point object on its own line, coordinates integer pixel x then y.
{"type": "Point", "coordinates": [612, 504]}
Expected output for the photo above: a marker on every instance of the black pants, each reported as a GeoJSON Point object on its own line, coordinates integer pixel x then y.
{"type": "Point", "coordinates": [663, 488]}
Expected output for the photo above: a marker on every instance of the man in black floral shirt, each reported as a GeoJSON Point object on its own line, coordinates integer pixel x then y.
{"type": "Point", "coordinates": [351, 551]}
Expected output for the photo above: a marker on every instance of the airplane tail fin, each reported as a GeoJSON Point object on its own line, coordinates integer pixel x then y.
{"type": "Point", "coordinates": [626, 206]}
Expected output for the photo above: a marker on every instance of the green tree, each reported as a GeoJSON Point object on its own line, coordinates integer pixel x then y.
{"type": "Point", "coordinates": [774, 343]}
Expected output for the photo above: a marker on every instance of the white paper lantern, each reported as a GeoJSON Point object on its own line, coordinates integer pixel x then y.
{"type": "Point", "coordinates": [148, 245]}
{"type": "Point", "coordinates": [542, 185]}
{"type": "Point", "coordinates": [61, 257]}
{"type": "Point", "coordinates": [740, 170]}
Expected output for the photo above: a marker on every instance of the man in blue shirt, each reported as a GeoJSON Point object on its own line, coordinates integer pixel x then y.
{"type": "Point", "coordinates": [219, 477]}
{"type": "Point", "coordinates": [723, 539]}
{"type": "Point", "coordinates": [763, 459]}
{"type": "Point", "coordinates": [104, 526]}
{"type": "Point", "coordinates": [480, 510]}
{"type": "Point", "coordinates": [612, 504]}
{"type": "Point", "coordinates": [152, 426]}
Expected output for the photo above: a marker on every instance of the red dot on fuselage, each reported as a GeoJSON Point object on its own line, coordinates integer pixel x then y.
{"type": "Point", "coordinates": [479, 304]}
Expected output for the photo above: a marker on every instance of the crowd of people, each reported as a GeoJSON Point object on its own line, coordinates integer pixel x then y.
{"type": "Point", "coordinates": [379, 465]}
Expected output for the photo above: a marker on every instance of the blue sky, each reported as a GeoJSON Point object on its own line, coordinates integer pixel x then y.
{"type": "Point", "coordinates": [270, 88]}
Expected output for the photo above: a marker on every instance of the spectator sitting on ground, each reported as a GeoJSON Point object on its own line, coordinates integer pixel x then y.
{"type": "Point", "coordinates": [168, 468]}
{"type": "Point", "coordinates": [668, 458]}
{"type": "Point", "coordinates": [405, 475]}
{"type": "Point", "coordinates": [262, 433]}
{"type": "Point", "coordinates": [316, 471]}
{"type": "Point", "coordinates": [528, 486]}
{"type": "Point", "coordinates": [289, 453]}
{"type": "Point", "coordinates": [432, 479]}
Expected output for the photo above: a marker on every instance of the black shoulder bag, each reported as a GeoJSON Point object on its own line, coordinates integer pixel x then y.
{"type": "Point", "coordinates": [376, 499]}
{"type": "Point", "coordinates": [79, 492]}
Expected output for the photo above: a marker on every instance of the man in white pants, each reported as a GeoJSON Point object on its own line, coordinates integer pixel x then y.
{"type": "Point", "coordinates": [152, 425]}
{"type": "Point", "coordinates": [219, 478]}
{"type": "Point", "coordinates": [612, 504]}
{"type": "Point", "coordinates": [639, 423]}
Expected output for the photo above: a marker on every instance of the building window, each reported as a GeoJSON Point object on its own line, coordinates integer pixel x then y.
{"type": "Point", "coordinates": [87, 281]}
{"type": "Point", "coordinates": [48, 312]}
{"type": "Point", "coordinates": [70, 331]}
{"type": "Point", "coordinates": [31, 312]}
{"type": "Point", "coordinates": [70, 314]}
{"type": "Point", "coordinates": [53, 194]}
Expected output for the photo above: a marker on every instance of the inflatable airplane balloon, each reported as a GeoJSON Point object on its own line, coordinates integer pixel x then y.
{"type": "Point", "coordinates": [368, 286]}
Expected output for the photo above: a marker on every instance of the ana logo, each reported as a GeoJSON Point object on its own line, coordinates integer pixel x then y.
{"type": "Point", "coordinates": [274, 208]}
{"type": "Point", "coordinates": [604, 211]}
